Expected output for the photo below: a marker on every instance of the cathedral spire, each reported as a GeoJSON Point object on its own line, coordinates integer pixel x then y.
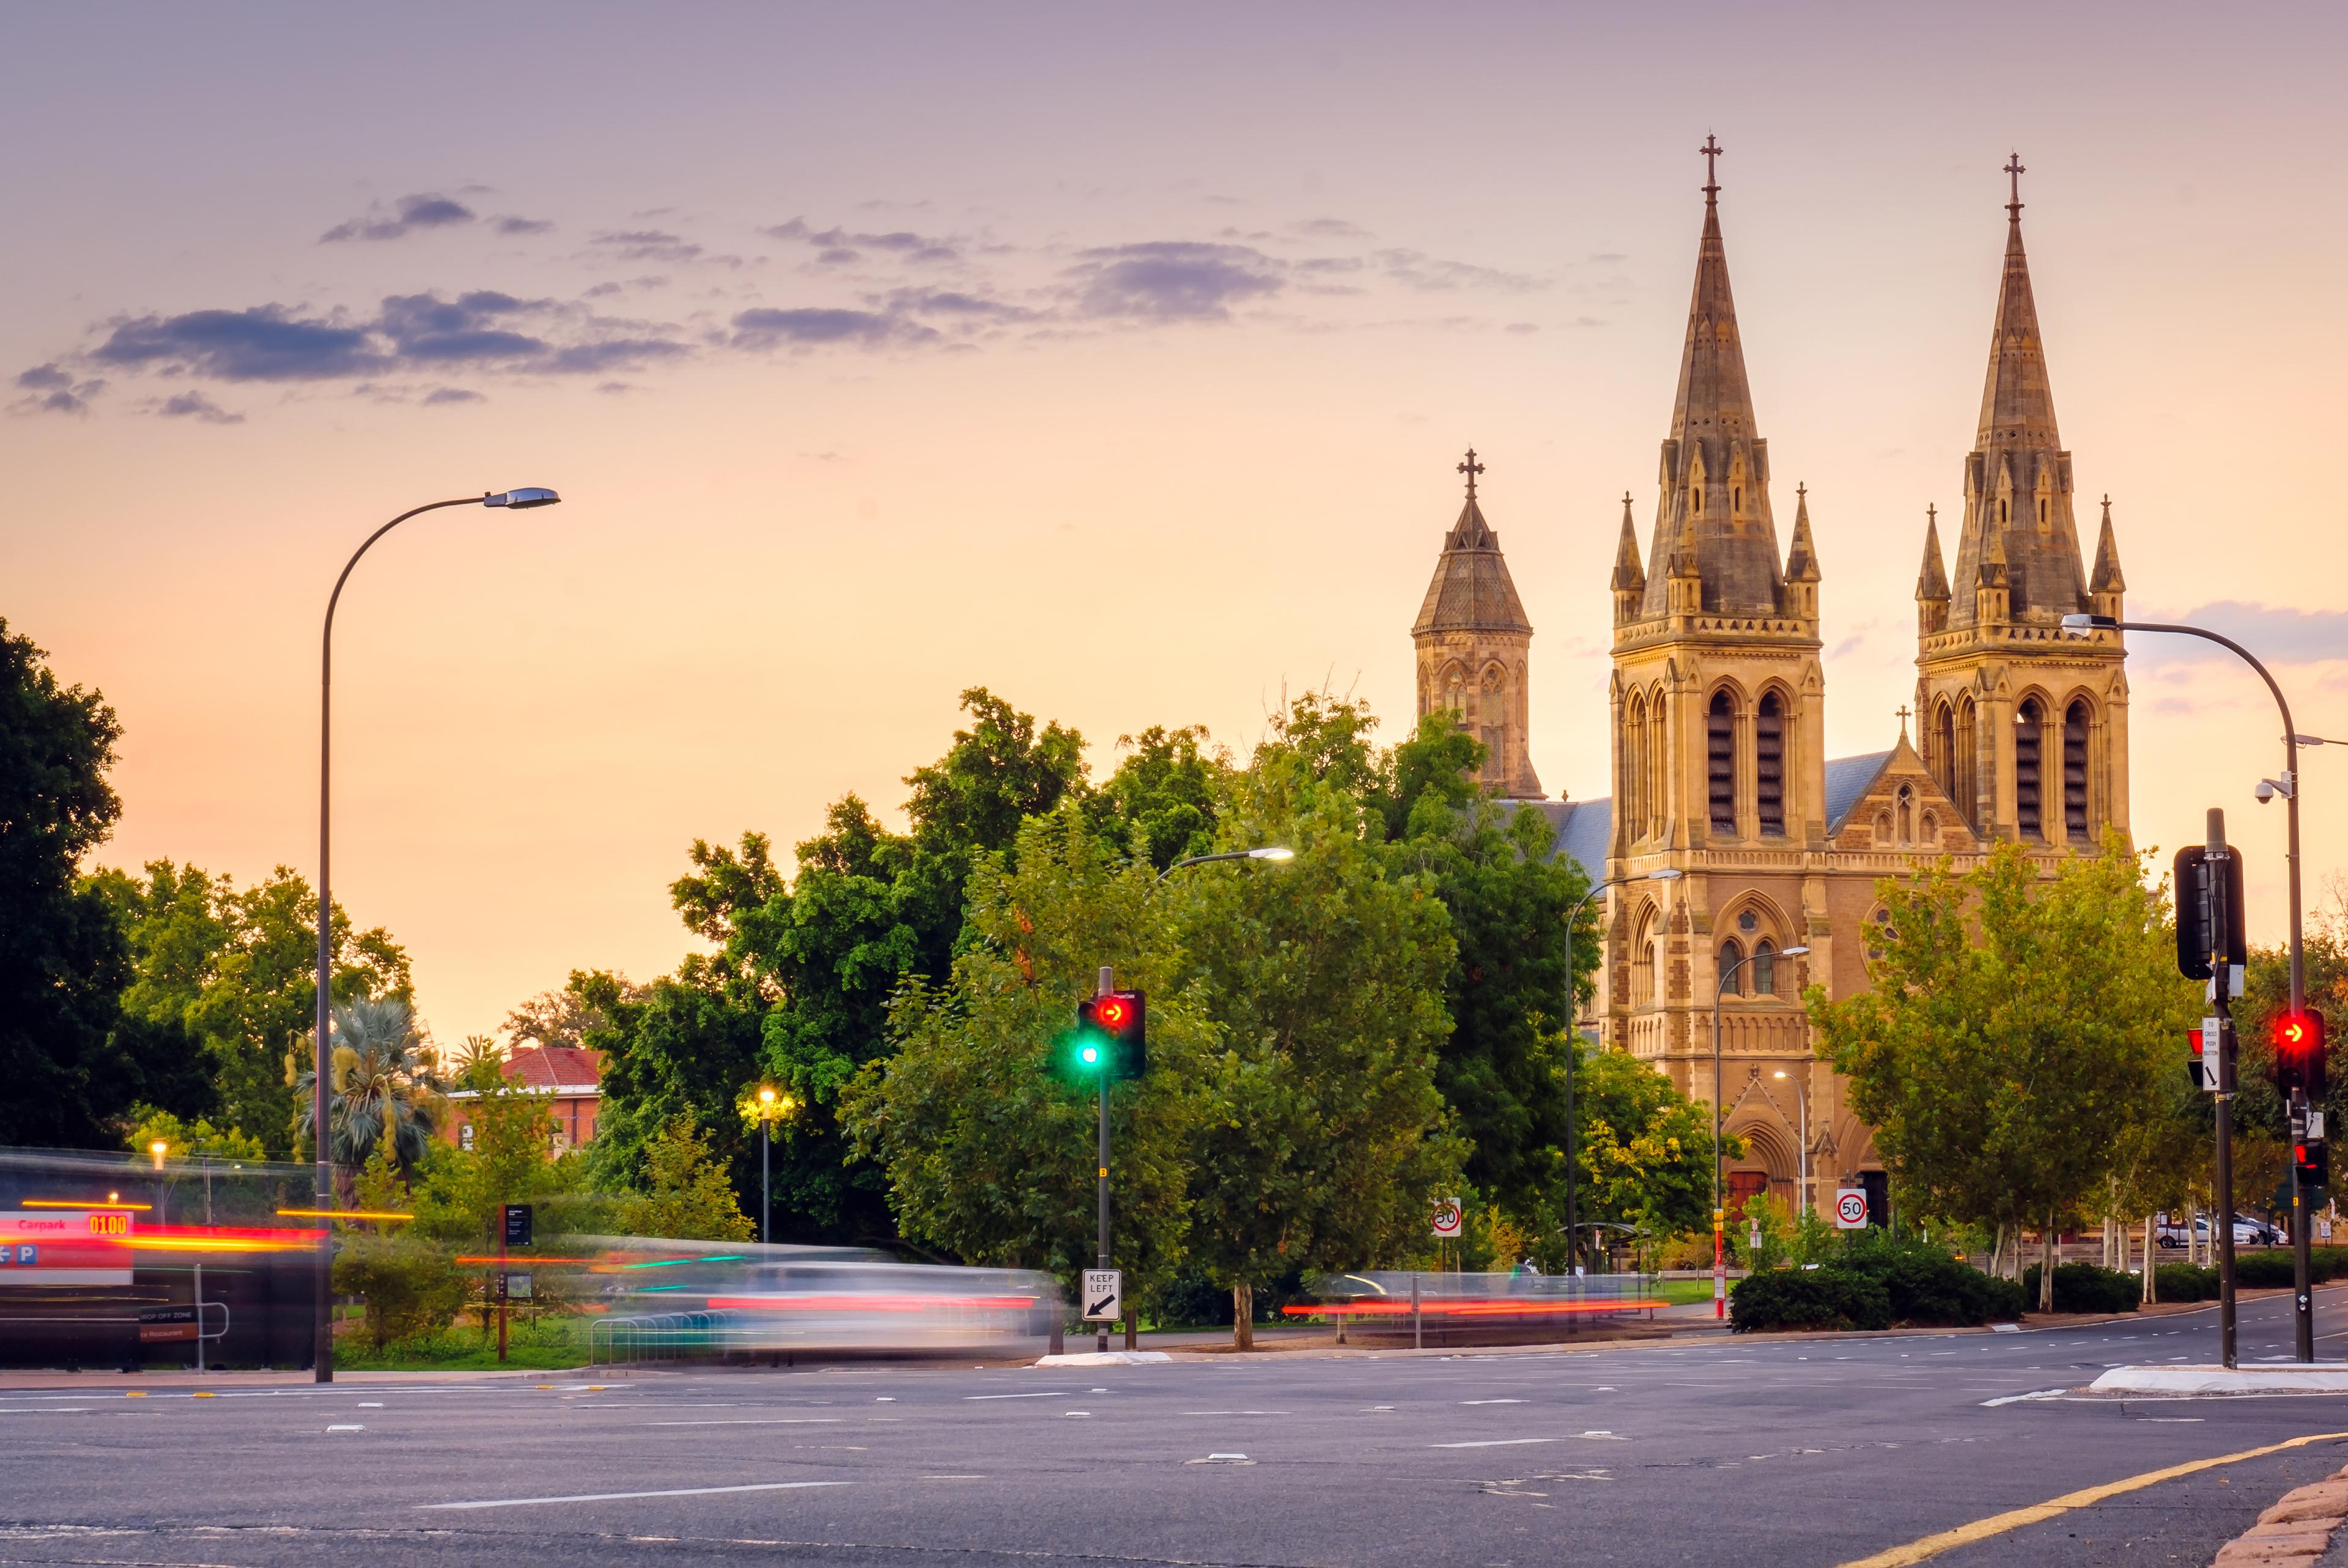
{"type": "Point", "coordinates": [2107, 578]}
{"type": "Point", "coordinates": [1629, 575]}
{"type": "Point", "coordinates": [1802, 560]}
{"type": "Point", "coordinates": [1716, 467]}
{"type": "Point", "coordinates": [2018, 514]}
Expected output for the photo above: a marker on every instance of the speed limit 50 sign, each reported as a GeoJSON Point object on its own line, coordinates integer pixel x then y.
{"type": "Point", "coordinates": [1446, 1220]}
{"type": "Point", "coordinates": [1850, 1208]}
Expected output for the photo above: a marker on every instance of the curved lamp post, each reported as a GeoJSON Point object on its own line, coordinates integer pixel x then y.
{"type": "Point", "coordinates": [1719, 1214]}
{"type": "Point", "coordinates": [1268, 852]}
{"type": "Point", "coordinates": [766, 1106]}
{"type": "Point", "coordinates": [1668, 874]}
{"type": "Point", "coordinates": [1802, 1101]}
{"type": "Point", "coordinates": [320, 1124]}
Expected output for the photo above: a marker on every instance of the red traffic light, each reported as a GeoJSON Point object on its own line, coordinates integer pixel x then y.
{"type": "Point", "coordinates": [2299, 1052]}
{"type": "Point", "coordinates": [1111, 1011]}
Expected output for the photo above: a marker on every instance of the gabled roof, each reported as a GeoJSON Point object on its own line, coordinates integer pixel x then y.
{"type": "Point", "coordinates": [1848, 781]}
{"type": "Point", "coordinates": [557, 1069]}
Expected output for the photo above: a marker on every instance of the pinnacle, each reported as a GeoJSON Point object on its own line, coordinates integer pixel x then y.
{"type": "Point", "coordinates": [2107, 577]}
{"type": "Point", "coordinates": [1630, 576]}
{"type": "Point", "coordinates": [1802, 560]}
{"type": "Point", "coordinates": [1931, 582]}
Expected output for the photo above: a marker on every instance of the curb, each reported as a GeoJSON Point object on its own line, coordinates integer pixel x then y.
{"type": "Point", "coordinates": [2295, 1533]}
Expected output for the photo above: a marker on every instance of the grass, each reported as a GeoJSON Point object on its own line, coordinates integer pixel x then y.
{"type": "Point", "coordinates": [549, 1345]}
{"type": "Point", "coordinates": [1681, 1292]}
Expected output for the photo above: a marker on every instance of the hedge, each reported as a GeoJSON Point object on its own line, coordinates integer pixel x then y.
{"type": "Point", "coordinates": [2184, 1282]}
{"type": "Point", "coordinates": [2086, 1287]}
{"type": "Point", "coordinates": [1809, 1298]}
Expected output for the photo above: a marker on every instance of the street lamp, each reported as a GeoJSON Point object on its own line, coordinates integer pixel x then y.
{"type": "Point", "coordinates": [1274, 852]}
{"type": "Point", "coordinates": [1668, 874]}
{"type": "Point", "coordinates": [1802, 1101]}
{"type": "Point", "coordinates": [769, 1106]}
{"type": "Point", "coordinates": [2287, 786]}
{"type": "Point", "coordinates": [1720, 1216]}
{"type": "Point", "coordinates": [323, 1322]}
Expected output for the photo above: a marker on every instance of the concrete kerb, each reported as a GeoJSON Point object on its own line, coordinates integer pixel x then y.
{"type": "Point", "coordinates": [2189, 1381]}
{"type": "Point", "coordinates": [2295, 1531]}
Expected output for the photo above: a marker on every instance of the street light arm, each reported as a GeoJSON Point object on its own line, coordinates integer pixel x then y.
{"type": "Point", "coordinates": [1268, 852]}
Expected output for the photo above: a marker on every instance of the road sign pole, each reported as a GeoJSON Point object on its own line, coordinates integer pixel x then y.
{"type": "Point", "coordinates": [1107, 984]}
{"type": "Point", "coordinates": [2215, 924]}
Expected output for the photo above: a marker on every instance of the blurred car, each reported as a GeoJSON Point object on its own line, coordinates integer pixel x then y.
{"type": "Point", "coordinates": [2248, 1230]}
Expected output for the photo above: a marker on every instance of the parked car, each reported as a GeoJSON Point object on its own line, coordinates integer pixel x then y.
{"type": "Point", "coordinates": [2248, 1230]}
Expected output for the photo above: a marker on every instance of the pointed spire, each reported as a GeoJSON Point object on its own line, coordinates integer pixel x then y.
{"type": "Point", "coordinates": [1471, 589]}
{"type": "Point", "coordinates": [1629, 577]}
{"type": "Point", "coordinates": [2107, 578]}
{"type": "Point", "coordinates": [1802, 560]}
{"type": "Point", "coordinates": [1716, 467]}
{"type": "Point", "coordinates": [2017, 400]}
{"type": "Point", "coordinates": [1931, 582]}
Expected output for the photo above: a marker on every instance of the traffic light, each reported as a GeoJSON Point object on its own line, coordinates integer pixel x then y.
{"type": "Point", "coordinates": [2298, 1054]}
{"type": "Point", "coordinates": [1111, 1037]}
{"type": "Point", "coordinates": [2307, 1158]}
{"type": "Point", "coordinates": [2201, 930]}
{"type": "Point", "coordinates": [2201, 1068]}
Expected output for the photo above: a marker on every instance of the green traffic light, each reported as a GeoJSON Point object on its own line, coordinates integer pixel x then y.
{"type": "Point", "coordinates": [1089, 1054]}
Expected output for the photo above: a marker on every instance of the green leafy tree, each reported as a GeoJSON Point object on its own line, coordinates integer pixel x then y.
{"type": "Point", "coordinates": [1326, 1135]}
{"type": "Point", "coordinates": [1644, 1149]}
{"type": "Point", "coordinates": [190, 1140]}
{"type": "Point", "coordinates": [231, 973]}
{"type": "Point", "coordinates": [463, 1191]}
{"type": "Point", "coordinates": [1163, 801]}
{"type": "Point", "coordinates": [989, 1152]}
{"type": "Point", "coordinates": [409, 1284]}
{"type": "Point", "coordinates": [688, 1193]}
{"type": "Point", "coordinates": [63, 964]}
{"type": "Point", "coordinates": [2017, 1026]}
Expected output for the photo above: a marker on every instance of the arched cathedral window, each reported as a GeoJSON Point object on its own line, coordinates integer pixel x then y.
{"type": "Point", "coordinates": [1765, 968]}
{"type": "Point", "coordinates": [1732, 978]}
{"type": "Point", "coordinates": [2029, 778]}
{"type": "Point", "coordinates": [1720, 760]}
{"type": "Point", "coordinates": [2075, 772]}
{"type": "Point", "coordinates": [1769, 764]}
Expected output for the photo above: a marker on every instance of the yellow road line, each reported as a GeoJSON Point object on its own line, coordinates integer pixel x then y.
{"type": "Point", "coordinates": [2015, 1519]}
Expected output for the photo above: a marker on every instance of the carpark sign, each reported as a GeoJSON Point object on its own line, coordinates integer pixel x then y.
{"type": "Point", "coordinates": [1446, 1219]}
{"type": "Point", "coordinates": [1851, 1209]}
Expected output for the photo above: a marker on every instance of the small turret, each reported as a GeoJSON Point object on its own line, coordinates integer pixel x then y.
{"type": "Point", "coordinates": [2108, 585]}
{"type": "Point", "coordinates": [1801, 593]}
{"type": "Point", "coordinates": [1931, 582]}
{"type": "Point", "coordinates": [1630, 582]}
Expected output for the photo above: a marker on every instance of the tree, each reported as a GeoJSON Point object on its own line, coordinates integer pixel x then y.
{"type": "Point", "coordinates": [236, 970]}
{"type": "Point", "coordinates": [1511, 990]}
{"type": "Point", "coordinates": [1163, 801]}
{"type": "Point", "coordinates": [2016, 1025]}
{"type": "Point", "coordinates": [63, 959]}
{"type": "Point", "coordinates": [1326, 1135]}
{"type": "Point", "coordinates": [996, 775]}
{"type": "Point", "coordinates": [688, 1194]}
{"type": "Point", "coordinates": [680, 1049]}
{"type": "Point", "coordinates": [559, 1018]}
{"type": "Point", "coordinates": [989, 1153]}
{"type": "Point", "coordinates": [1644, 1152]}
{"type": "Point", "coordinates": [183, 1140]}
{"type": "Point", "coordinates": [381, 1092]}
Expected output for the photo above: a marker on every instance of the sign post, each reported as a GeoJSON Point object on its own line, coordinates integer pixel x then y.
{"type": "Point", "coordinates": [1104, 1294]}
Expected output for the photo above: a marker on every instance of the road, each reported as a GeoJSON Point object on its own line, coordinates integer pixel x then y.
{"type": "Point", "coordinates": [1783, 1451]}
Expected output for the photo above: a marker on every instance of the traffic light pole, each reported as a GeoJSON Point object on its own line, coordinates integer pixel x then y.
{"type": "Point", "coordinates": [2303, 1299]}
{"type": "Point", "coordinates": [1107, 984]}
{"type": "Point", "coordinates": [2213, 891]}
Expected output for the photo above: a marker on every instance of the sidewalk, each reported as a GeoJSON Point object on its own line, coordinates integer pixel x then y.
{"type": "Point", "coordinates": [111, 1385]}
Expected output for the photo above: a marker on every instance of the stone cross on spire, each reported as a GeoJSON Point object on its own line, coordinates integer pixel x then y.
{"type": "Point", "coordinates": [1711, 149]}
{"type": "Point", "coordinates": [1472, 468]}
{"type": "Point", "coordinates": [2014, 170]}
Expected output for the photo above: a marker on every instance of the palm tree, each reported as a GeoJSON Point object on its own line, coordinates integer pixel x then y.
{"type": "Point", "coordinates": [379, 1082]}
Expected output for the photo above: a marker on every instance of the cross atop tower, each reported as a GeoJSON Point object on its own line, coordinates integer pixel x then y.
{"type": "Point", "coordinates": [1903, 720]}
{"type": "Point", "coordinates": [2014, 171]}
{"type": "Point", "coordinates": [1802, 491]}
{"type": "Point", "coordinates": [1472, 468]}
{"type": "Point", "coordinates": [1711, 149]}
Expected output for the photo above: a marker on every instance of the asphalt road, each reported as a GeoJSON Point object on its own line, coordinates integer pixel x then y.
{"type": "Point", "coordinates": [1785, 1451]}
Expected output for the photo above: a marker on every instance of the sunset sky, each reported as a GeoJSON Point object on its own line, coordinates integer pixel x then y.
{"type": "Point", "coordinates": [1115, 359]}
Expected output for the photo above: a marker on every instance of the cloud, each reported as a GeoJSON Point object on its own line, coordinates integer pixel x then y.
{"type": "Point", "coordinates": [814, 326]}
{"type": "Point", "coordinates": [196, 405]}
{"type": "Point", "coordinates": [266, 342]}
{"type": "Point", "coordinates": [837, 246]}
{"type": "Point", "coordinates": [408, 214]}
{"type": "Point", "coordinates": [953, 303]}
{"type": "Point", "coordinates": [1328, 229]}
{"type": "Point", "coordinates": [43, 377]}
{"type": "Point", "coordinates": [509, 225]}
{"type": "Point", "coordinates": [483, 330]}
{"type": "Point", "coordinates": [2277, 635]}
{"type": "Point", "coordinates": [659, 245]}
{"type": "Point", "coordinates": [441, 396]}
{"type": "Point", "coordinates": [1171, 279]}
{"type": "Point", "coordinates": [49, 389]}
{"type": "Point", "coordinates": [1419, 270]}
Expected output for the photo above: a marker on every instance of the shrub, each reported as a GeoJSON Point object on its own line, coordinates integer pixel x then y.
{"type": "Point", "coordinates": [2005, 1301]}
{"type": "Point", "coordinates": [2264, 1270]}
{"type": "Point", "coordinates": [1930, 1289]}
{"type": "Point", "coordinates": [1809, 1298]}
{"type": "Point", "coordinates": [2085, 1288]}
{"type": "Point", "coordinates": [2184, 1282]}
{"type": "Point", "coordinates": [411, 1287]}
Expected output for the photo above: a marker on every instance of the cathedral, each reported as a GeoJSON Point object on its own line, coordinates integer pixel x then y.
{"type": "Point", "coordinates": [1742, 858]}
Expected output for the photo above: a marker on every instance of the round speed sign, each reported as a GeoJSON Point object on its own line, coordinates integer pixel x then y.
{"type": "Point", "coordinates": [1446, 1218]}
{"type": "Point", "coordinates": [1851, 1209]}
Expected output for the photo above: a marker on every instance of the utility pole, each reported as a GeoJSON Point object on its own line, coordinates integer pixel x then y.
{"type": "Point", "coordinates": [1107, 984]}
{"type": "Point", "coordinates": [2216, 923]}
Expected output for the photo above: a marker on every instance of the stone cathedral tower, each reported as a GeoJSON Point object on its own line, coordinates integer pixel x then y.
{"type": "Point", "coordinates": [1718, 698]}
{"type": "Point", "coordinates": [2023, 729]}
{"type": "Point", "coordinates": [1474, 648]}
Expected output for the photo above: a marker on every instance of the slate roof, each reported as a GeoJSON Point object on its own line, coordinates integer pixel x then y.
{"type": "Point", "coordinates": [1584, 826]}
{"type": "Point", "coordinates": [1472, 590]}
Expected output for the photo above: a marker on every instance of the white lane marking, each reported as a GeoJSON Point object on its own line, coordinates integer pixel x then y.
{"type": "Point", "coordinates": [43, 1410]}
{"type": "Point", "coordinates": [345, 1429]}
{"type": "Point", "coordinates": [1047, 1394]}
{"type": "Point", "coordinates": [755, 1421]}
{"type": "Point", "coordinates": [1493, 1402]}
{"type": "Point", "coordinates": [370, 1404]}
{"type": "Point", "coordinates": [1494, 1444]}
{"type": "Point", "coordinates": [1605, 1437]}
{"type": "Point", "coordinates": [2018, 1398]}
{"type": "Point", "coordinates": [1251, 1412]}
{"type": "Point", "coordinates": [616, 1496]}
{"type": "Point", "coordinates": [951, 1478]}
